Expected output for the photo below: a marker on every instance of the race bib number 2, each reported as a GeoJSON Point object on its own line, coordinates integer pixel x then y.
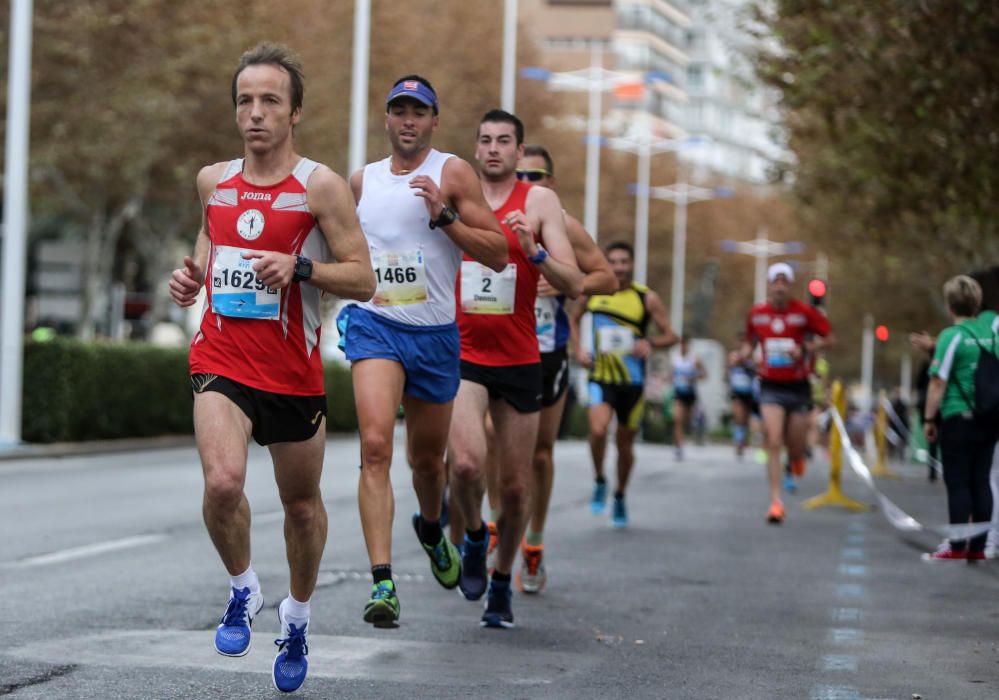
{"type": "Point", "coordinates": [237, 291]}
{"type": "Point", "coordinates": [486, 292]}
{"type": "Point", "coordinates": [401, 278]}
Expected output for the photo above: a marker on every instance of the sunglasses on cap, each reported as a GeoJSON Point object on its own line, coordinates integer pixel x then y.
{"type": "Point", "coordinates": [532, 174]}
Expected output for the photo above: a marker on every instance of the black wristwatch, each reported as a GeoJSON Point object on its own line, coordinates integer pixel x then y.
{"type": "Point", "coordinates": [448, 216]}
{"type": "Point", "coordinates": [303, 269]}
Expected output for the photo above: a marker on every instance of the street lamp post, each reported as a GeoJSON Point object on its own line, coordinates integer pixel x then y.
{"type": "Point", "coordinates": [508, 82]}
{"type": "Point", "coordinates": [645, 146]}
{"type": "Point", "coordinates": [594, 80]}
{"type": "Point", "coordinates": [15, 221]}
{"type": "Point", "coordinates": [762, 248]}
{"type": "Point", "coordinates": [359, 87]}
{"type": "Point", "coordinates": [682, 194]}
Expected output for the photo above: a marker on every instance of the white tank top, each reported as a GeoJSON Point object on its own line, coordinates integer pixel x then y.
{"type": "Point", "coordinates": [415, 266]}
{"type": "Point", "coordinates": [684, 371]}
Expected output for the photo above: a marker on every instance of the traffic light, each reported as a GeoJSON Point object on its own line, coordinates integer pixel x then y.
{"type": "Point", "coordinates": [881, 333]}
{"type": "Point", "coordinates": [817, 291]}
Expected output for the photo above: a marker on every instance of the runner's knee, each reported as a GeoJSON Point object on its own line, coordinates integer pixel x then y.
{"type": "Point", "coordinates": [465, 470]}
{"type": "Point", "coordinates": [376, 453]}
{"type": "Point", "coordinates": [303, 512]}
{"type": "Point", "coordinates": [513, 494]}
{"type": "Point", "coordinates": [223, 491]}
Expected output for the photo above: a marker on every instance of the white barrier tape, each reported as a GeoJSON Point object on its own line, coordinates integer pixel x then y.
{"type": "Point", "coordinates": [897, 517]}
{"type": "Point", "coordinates": [933, 462]}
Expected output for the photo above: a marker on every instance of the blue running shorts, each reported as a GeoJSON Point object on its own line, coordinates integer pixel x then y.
{"type": "Point", "coordinates": [428, 354]}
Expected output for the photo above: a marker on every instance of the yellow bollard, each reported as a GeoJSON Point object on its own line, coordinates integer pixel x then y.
{"type": "Point", "coordinates": [834, 496]}
{"type": "Point", "coordinates": [881, 440]}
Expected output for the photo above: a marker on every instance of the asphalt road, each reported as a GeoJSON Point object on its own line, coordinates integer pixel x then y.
{"type": "Point", "coordinates": [110, 588]}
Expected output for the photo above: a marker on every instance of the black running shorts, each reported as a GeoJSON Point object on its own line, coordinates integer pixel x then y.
{"type": "Point", "coordinates": [518, 385]}
{"type": "Point", "coordinates": [794, 397]}
{"type": "Point", "coordinates": [275, 417]}
{"type": "Point", "coordinates": [554, 376]}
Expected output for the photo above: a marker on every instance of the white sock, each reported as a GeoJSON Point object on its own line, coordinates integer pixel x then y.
{"type": "Point", "coordinates": [247, 579]}
{"type": "Point", "coordinates": [294, 612]}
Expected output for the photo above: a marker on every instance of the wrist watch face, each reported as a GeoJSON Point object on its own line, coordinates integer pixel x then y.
{"type": "Point", "coordinates": [303, 268]}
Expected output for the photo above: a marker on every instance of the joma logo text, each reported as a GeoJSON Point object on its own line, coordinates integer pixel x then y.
{"type": "Point", "coordinates": [259, 196]}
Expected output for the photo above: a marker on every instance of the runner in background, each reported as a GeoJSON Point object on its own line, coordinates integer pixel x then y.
{"type": "Point", "coordinates": [686, 370]}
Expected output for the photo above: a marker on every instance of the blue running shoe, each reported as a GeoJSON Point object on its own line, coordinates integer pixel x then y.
{"type": "Point", "coordinates": [599, 501]}
{"type": "Point", "coordinates": [619, 517]}
{"type": "Point", "coordinates": [474, 577]}
{"type": "Point", "coordinates": [290, 664]}
{"type": "Point", "coordinates": [232, 638]}
{"type": "Point", "coordinates": [499, 612]}
{"type": "Point", "coordinates": [789, 484]}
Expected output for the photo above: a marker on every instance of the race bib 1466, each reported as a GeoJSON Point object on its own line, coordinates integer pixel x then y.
{"type": "Point", "coordinates": [401, 277]}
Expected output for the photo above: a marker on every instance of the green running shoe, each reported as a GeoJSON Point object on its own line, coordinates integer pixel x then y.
{"type": "Point", "coordinates": [445, 560]}
{"type": "Point", "coordinates": [383, 608]}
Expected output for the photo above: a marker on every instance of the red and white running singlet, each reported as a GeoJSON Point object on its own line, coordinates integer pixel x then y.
{"type": "Point", "coordinates": [778, 332]}
{"type": "Point", "coordinates": [266, 339]}
{"type": "Point", "coordinates": [495, 311]}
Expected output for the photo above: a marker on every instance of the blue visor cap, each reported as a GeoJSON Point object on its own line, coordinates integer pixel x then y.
{"type": "Point", "coordinates": [414, 89]}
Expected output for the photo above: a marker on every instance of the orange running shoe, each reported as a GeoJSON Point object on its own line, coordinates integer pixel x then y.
{"type": "Point", "coordinates": [798, 466]}
{"type": "Point", "coordinates": [531, 576]}
{"type": "Point", "coordinates": [775, 515]}
{"type": "Point", "coordinates": [493, 537]}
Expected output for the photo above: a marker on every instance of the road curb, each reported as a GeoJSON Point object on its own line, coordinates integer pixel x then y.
{"type": "Point", "coordinates": [75, 449]}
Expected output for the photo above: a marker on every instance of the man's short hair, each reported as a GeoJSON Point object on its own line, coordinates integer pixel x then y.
{"type": "Point", "coordinates": [419, 95]}
{"type": "Point", "coordinates": [501, 116]}
{"type": "Point", "coordinates": [963, 295]}
{"type": "Point", "coordinates": [539, 151]}
{"type": "Point", "coordinates": [267, 53]}
{"type": "Point", "coordinates": [620, 245]}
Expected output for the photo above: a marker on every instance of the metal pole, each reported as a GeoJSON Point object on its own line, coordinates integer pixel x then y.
{"type": "Point", "coordinates": [905, 383]}
{"type": "Point", "coordinates": [593, 143]}
{"type": "Point", "coordinates": [359, 87]}
{"type": "Point", "coordinates": [642, 213]}
{"type": "Point", "coordinates": [15, 209]}
{"type": "Point", "coordinates": [762, 255]}
{"type": "Point", "coordinates": [508, 88]}
{"type": "Point", "coordinates": [679, 258]}
{"type": "Point", "coordinates": [867, 363]}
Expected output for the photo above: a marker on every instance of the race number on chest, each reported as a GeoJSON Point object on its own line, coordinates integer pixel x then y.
{"type": "Point", "coordinates": [401, 277]}
{"type": "Point", "coordinates": [236, 290]}
{"type": "Point", "coordinates": [484, 291]}
{"type": "Point", "coordinates": [615, 339]}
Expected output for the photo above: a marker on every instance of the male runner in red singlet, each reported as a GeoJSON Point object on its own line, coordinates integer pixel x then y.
{"type": "Point", "coordinates": [273, 225]}
{"type": "Point", "coordinates": [500, 361]}
{"type": "Point", "coordinates": [782, 327]}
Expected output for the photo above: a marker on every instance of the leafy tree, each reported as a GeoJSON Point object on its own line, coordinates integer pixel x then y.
{"type": "Point", "coordinates": [890, 111]}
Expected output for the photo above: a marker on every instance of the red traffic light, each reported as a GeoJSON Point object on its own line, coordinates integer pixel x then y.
{"type": "Point", "coordinates": [881, 333]}
{"type": "Point", "coordinates": [817, 288]}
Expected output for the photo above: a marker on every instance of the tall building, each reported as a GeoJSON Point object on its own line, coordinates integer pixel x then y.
{"type": "Point", "coordinates": [725, 101]}
{"type": "Point", "coordinates": [696, 49]}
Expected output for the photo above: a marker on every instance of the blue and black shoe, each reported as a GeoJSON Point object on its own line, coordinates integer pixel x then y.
{"type": "Point", "coordinates": [619, 516]}
{"type": "Point", "coordinates": [290, 664]}
{"type": "Point", "coordinates": [474, 577]}
{"type": "Point", "coordinates": [232, 638]}
{"type": "Point", "coordinates": [599, 500]}
{"type": "Point", "coordinates": [499, 610]}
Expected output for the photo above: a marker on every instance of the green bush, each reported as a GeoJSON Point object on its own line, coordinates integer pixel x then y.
{"type": "Point", "coordinates": [96, 391]}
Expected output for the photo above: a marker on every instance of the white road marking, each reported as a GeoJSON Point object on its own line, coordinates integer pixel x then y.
{"type": "Point", "coordinates": [338, 657]}
{"type": "Point", "coordinates": [88, 550]}
{"type": "Point", "coordinates": [838, 662]}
